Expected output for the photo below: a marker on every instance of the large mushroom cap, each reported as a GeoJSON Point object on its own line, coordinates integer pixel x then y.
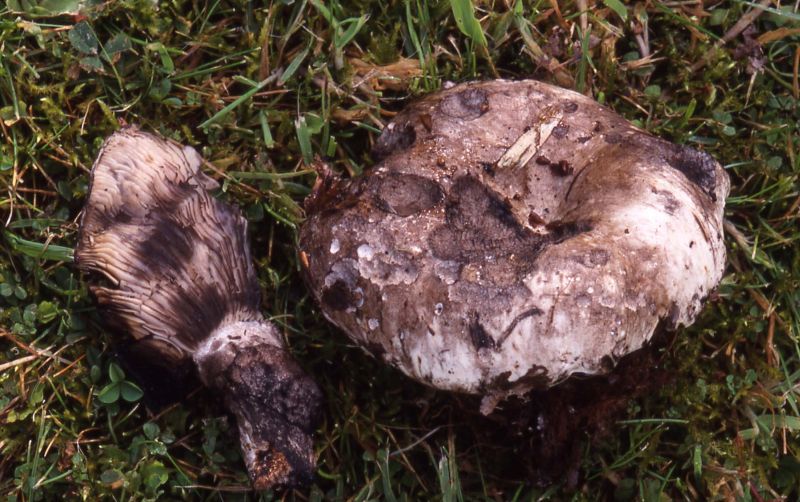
{"type": "Point", "coordinates": [180, 283]}
{"type": "Point", "coordinates": [514, 234]}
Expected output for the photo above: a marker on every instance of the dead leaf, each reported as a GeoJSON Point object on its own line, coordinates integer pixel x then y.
{"type": "Point", "coordinates": [772, 36]}
{"type": "Point", "coordinates": [345, 116]}
{"type": "Point", "coordinates": [395, 76]}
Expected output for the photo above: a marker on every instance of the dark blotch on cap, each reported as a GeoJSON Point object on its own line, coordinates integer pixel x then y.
{"type": "Point", "coordinates": [122, 217]}
{"type": "Point", "coordinates": [480, 223]}
{"type": "Point", "coordinates": [480, 338]}
{"type": "Point", "coordinates": [203, 311]}
{"type": "Point", "coordinates": [339, 296]}
{"type": "Point", "coordinates": [563, 230]}
{"type": "Point", "coordinates": [468, 104]}
{"type": "Point", "coordinates": [699, 167]}
{"type": "Point", "coordinates": [394, 139]}
{"type": "Point", "coordinates": [168, 245]}
{"type": "Point", "coordinates": [472, 205]}
{"type": "Point", "coordinates": [406, 194]}
{"type": "Point", "coordinates": [670, 203]}
{"type": "Point", "coordinates": [560, 131]}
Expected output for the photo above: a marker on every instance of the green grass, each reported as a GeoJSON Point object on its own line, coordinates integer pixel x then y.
{"type": "Point", "coordinates": [262, 90]}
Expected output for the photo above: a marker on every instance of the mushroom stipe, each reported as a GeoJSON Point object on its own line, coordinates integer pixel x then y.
{"type": "Point", "coordinates": [512, 235]}
{"type": "Point", "coordinates": [179, 281]}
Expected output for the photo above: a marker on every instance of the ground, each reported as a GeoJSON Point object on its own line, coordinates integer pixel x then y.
{"type": "Point", "coordinates": [261, 90]}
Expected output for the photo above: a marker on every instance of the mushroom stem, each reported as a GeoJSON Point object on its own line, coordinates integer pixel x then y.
{"type": "Point", "coordinates": [274, 402]}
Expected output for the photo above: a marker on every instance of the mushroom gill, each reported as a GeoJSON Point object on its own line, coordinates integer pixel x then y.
{"type": "Point", "coordinates": [171, 268]}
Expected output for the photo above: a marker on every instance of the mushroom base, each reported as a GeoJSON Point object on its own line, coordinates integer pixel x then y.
{"type": "Point", "coordinates": [565, 417]}
{"type": "Point", "coordinates": [276, 405]}
{"type": "Point", "coordinates": [547, 431]}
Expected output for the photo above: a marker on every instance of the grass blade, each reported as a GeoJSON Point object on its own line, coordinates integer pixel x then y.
{"type": "Point", "coordinates": [237, 102]}
{"type": "Point", "coordinates": [464, 13]}
{"type": "Point", "coordinates": [39, 250]}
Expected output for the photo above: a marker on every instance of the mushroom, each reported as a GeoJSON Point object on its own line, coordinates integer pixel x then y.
{"type": "Point", "coordinates": [514, 234]}
{"type": "Point", "coordinates": [172, 269]}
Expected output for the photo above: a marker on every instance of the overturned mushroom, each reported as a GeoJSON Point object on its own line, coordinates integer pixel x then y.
{"type": "Point", "coordinates": [180, 282]}
{"type": "Point", "coordinates": [514, 234]}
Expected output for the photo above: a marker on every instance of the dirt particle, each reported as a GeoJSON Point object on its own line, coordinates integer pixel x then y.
{"type": "Point", "coordinates": [670, 203]}
{"type": "Point", "coordinates": [562, 168]}
{"type": "Point", "coordinates": [608, 363]}
{"type": "Point", "coordinates": [480, 338]}
{"type": "Point", "coordinates": [339, 296]}
{"type": "Point", "coordinates": [560, 131]}
{"type": "Point", "coordinates": [427, 121]}
{"type": "Point", "coordinates": [535, 220]}
{"type": "Point", "coordinates": [570, 107]}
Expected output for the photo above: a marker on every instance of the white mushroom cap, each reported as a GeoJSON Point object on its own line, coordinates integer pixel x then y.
{"type": "Point", "coordinates": [513, 235]}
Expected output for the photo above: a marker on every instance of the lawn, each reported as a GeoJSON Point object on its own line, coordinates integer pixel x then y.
{"type": "Point", "coordinates": [261, 89]}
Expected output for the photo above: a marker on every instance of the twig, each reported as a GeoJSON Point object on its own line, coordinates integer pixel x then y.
{"type": "Point", "coordinates": [741, 25]}
{"type": "Point", "coordinates": [795, 79]}
{"type": "Point", "coordinates": [760, 299]}
{"type": "Point", "coordinates": [36, 190]}
{"type": "Point", "coordinates": [17, 362]}
{"type": "Point", "coordinates": [642, 37]}
{"type": "Point", "coordinates": [33, 350]}
{"type": "Point", "coordinates": [225, 175]}
{"type": "Point", "coordinates": [559, 17]}
{"type": "Point", "coordinates": [644, 48]}
{"type": "Point", "coordinates": [769, 348]}
{"type": "Point", "coordinates": [415, 443]}
{"type": "Point", "coordinates": [229, 489]}
{"type": "Point", "coordinates": [188, 398]}
{"type": "Point", "coordinates": [583, 8]}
